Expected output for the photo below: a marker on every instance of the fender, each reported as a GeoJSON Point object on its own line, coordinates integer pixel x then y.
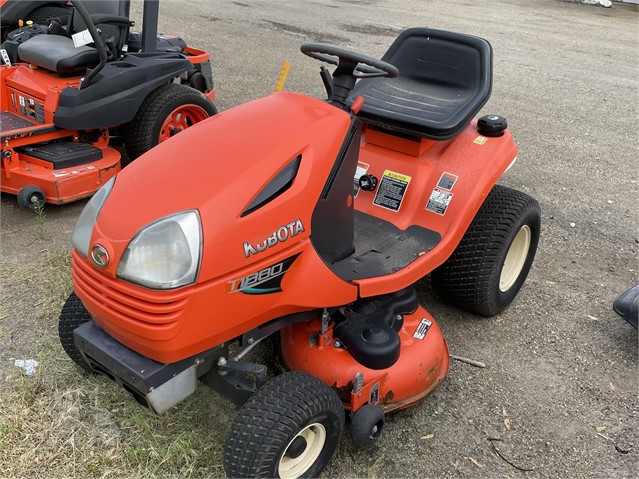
{"type": "Point", "coordinates": [117, 92]}
{"type": "Point", "coordinates": [472, 163]}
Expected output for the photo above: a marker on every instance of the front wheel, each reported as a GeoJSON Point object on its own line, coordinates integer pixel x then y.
{"type": "Point", "coordinates": [73, 314]}
{"type": "Point", "coordinates": [289, 428]}
{"type": "Point", "coordinates": [166, 111]}
{"type": "Point", "coordinates": [490, 264]}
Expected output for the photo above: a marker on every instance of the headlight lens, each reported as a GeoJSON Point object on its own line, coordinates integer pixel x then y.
{"type": "Point", "coordinates": [84, 227]}
{"type": "Point", "coordinates": [165, 254]}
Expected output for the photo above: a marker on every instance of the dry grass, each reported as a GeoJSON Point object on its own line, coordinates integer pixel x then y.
{"type": "Point", "coordinates": [64, 423]}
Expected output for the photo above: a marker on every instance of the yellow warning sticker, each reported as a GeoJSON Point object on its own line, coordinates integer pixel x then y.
{"type": "Point", "coordinates": [391, 190]}
{"type": "Point", "coordinates": [396, 176]}
{"type": "Point", "coordinates": [480, 140]}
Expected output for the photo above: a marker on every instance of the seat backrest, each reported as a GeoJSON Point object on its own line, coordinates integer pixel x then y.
{"type": "Point", "coordinates": [441, 57]}
{"type": "Point", "coordinates": [112, 7]}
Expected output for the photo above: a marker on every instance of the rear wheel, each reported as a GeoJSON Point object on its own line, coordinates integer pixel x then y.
{"type": "Point", "coordinates": [165, 112]}
{"type": "Point", "coordinates": [289, 428]}
{"type": "Point", "coordinates": [73, 314]}
{"type": "Point", "coordinates": [490, 264]}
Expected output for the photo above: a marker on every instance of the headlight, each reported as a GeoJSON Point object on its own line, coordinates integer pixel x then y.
{"type": "Point", "coordinates": [84, 227]}
{"type": "Point", "coordinates": [165, 254]}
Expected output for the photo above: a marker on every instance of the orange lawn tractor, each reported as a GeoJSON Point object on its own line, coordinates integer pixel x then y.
{"type": "Point", "coordinates": [70, 92]}
{"type": "Point", "coordinates": [312, 233]}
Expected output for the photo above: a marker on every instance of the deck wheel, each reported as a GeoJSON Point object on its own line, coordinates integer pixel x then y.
{"type": "Point", "coordinates": [367, 424]}
{"type": "Point", "coordinates": [31, 197]}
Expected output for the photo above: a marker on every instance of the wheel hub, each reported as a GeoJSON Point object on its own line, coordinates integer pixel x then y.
{"type": "Point", "coordinates": [515, 259]}
{"type": "Point", "coordinates": [297, 447]}
{"type": "Point", "coordinates": [302, 452]}
{"type": "Point", "coordinates": [180, 119]}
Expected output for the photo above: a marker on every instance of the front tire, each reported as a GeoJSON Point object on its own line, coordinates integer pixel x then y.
{"type": "Point", "coordinates": [490, 264]}
{"type": "Point", "coordinates": [166, 111]}
{"type": "Point", "coordinates": [73, 314]}
{"type": "Point", "coordinates": [289, 428]}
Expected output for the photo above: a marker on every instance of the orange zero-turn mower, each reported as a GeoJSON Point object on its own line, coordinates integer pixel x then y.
{"type": "Point", "coordinates": [71, 92]}
{"type": "Point", "coordinates": [316, 229]}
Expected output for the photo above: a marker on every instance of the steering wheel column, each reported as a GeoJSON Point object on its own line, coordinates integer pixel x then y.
{"type": "Point", "coordinates": [350, 67]}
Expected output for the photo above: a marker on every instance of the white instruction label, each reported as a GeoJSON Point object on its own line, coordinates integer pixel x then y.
{"type": "Point", "coordinates": [439, 201]}
{"type": "Point", "coordinates": [81, 38]}
{"type": "Point", "coordinates": [422, 329]}
{"type": "Point", "coordinates": [5, 57]}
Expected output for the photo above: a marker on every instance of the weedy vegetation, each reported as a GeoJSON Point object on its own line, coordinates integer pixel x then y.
{"type": "Point", "coordinates": [62, 422]}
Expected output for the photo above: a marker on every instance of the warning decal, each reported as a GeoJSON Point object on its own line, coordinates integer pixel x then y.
{"type": "Point", "coordinates": [447, 181]}
{"type": "Point", "coordinates": [439, 201]}
{"type": "Point", "coordinates": [422, 329]}
{"type": "Point", "coordinates": [391, 190]}
{"type": "Point", "coordinates": [362, 168]}
{"type": "Point", "coordinates": [480, 140]}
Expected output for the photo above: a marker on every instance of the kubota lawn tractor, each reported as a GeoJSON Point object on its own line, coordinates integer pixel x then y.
{"type": "Point", "coordinates": [315, 229]}
{"type": "Point", "coordinates": [69, 90]}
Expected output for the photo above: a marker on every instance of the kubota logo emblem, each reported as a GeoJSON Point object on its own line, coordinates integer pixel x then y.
{"type": "Point", "coordinates": [280, 235]}
{"type": "Point", "coordinates": [100, 256]}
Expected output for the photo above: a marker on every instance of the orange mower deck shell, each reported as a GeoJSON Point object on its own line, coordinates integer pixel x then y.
{"type": "Point", "coordinates": [224, 162]}
{"type": "Point", "coordinates": [21, 83]}
{"type": "Point", "coordinates": [421, 367]}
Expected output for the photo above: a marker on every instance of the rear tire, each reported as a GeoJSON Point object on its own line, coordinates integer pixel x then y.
{"type": "Point", "coordinates": [44, 15]}
{"type": "Point", "coordinates": [289, 428]}
{"type": "Point", "coordinates": [146, 129]}
{"type": "Point", "coordinates": [73, 314]}
{"type": "Point", "coordinates": [490, 264]}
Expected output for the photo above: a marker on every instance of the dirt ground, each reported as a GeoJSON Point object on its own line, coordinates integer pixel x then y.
{"type": "Point", "coordinates": [561, 382]}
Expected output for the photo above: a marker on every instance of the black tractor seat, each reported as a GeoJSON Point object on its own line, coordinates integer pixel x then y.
{"type": "Point", "coordinates": [444, 80]}
{"type": "Point", "coordinates": [58, 53]}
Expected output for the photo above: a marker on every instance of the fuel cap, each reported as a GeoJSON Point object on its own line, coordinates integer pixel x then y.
{"type": "Point", "coordinates": [492, 125]}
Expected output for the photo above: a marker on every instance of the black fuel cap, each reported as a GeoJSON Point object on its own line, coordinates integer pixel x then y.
{"type": "Point", "coordinates": [367, 182]}
{"type": "Point", "coordinates": [492, 125]}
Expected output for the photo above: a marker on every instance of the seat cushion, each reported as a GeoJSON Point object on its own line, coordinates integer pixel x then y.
{"type": "Point", "coordinates": [57, 53]}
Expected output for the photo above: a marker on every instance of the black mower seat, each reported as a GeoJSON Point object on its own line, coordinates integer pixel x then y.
{"type": "Point", "coordinates": [58, 53]}
{"type": "Point", "coordinates": [444, 80]}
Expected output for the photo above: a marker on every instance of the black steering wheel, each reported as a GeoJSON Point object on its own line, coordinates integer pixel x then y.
{"type": "Point", "coordinates": [353, 63]}
{"type": "Point", "coordinates": [350, 67]}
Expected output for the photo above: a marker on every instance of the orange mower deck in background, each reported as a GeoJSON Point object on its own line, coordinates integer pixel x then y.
{"type": "Point", "coordinates": [65, 108]}
{"type": "Point", "coordinates": [313, 234]}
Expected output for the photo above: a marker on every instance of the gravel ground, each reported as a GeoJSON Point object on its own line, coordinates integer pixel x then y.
{"type": "Point", "coordinates": [560, 386]}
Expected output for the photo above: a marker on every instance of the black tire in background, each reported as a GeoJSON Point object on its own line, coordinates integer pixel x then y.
{"type": "Point", "coordinates": [143, 132]}
{"type": "Point", "coordinates": [44, 15]}
{"type": "Point", "coordinates": [73, 314]}
{"type": "Point", "coordinates": [289, 428]}
{"type": "Point", "coordinates": [504, 231]}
